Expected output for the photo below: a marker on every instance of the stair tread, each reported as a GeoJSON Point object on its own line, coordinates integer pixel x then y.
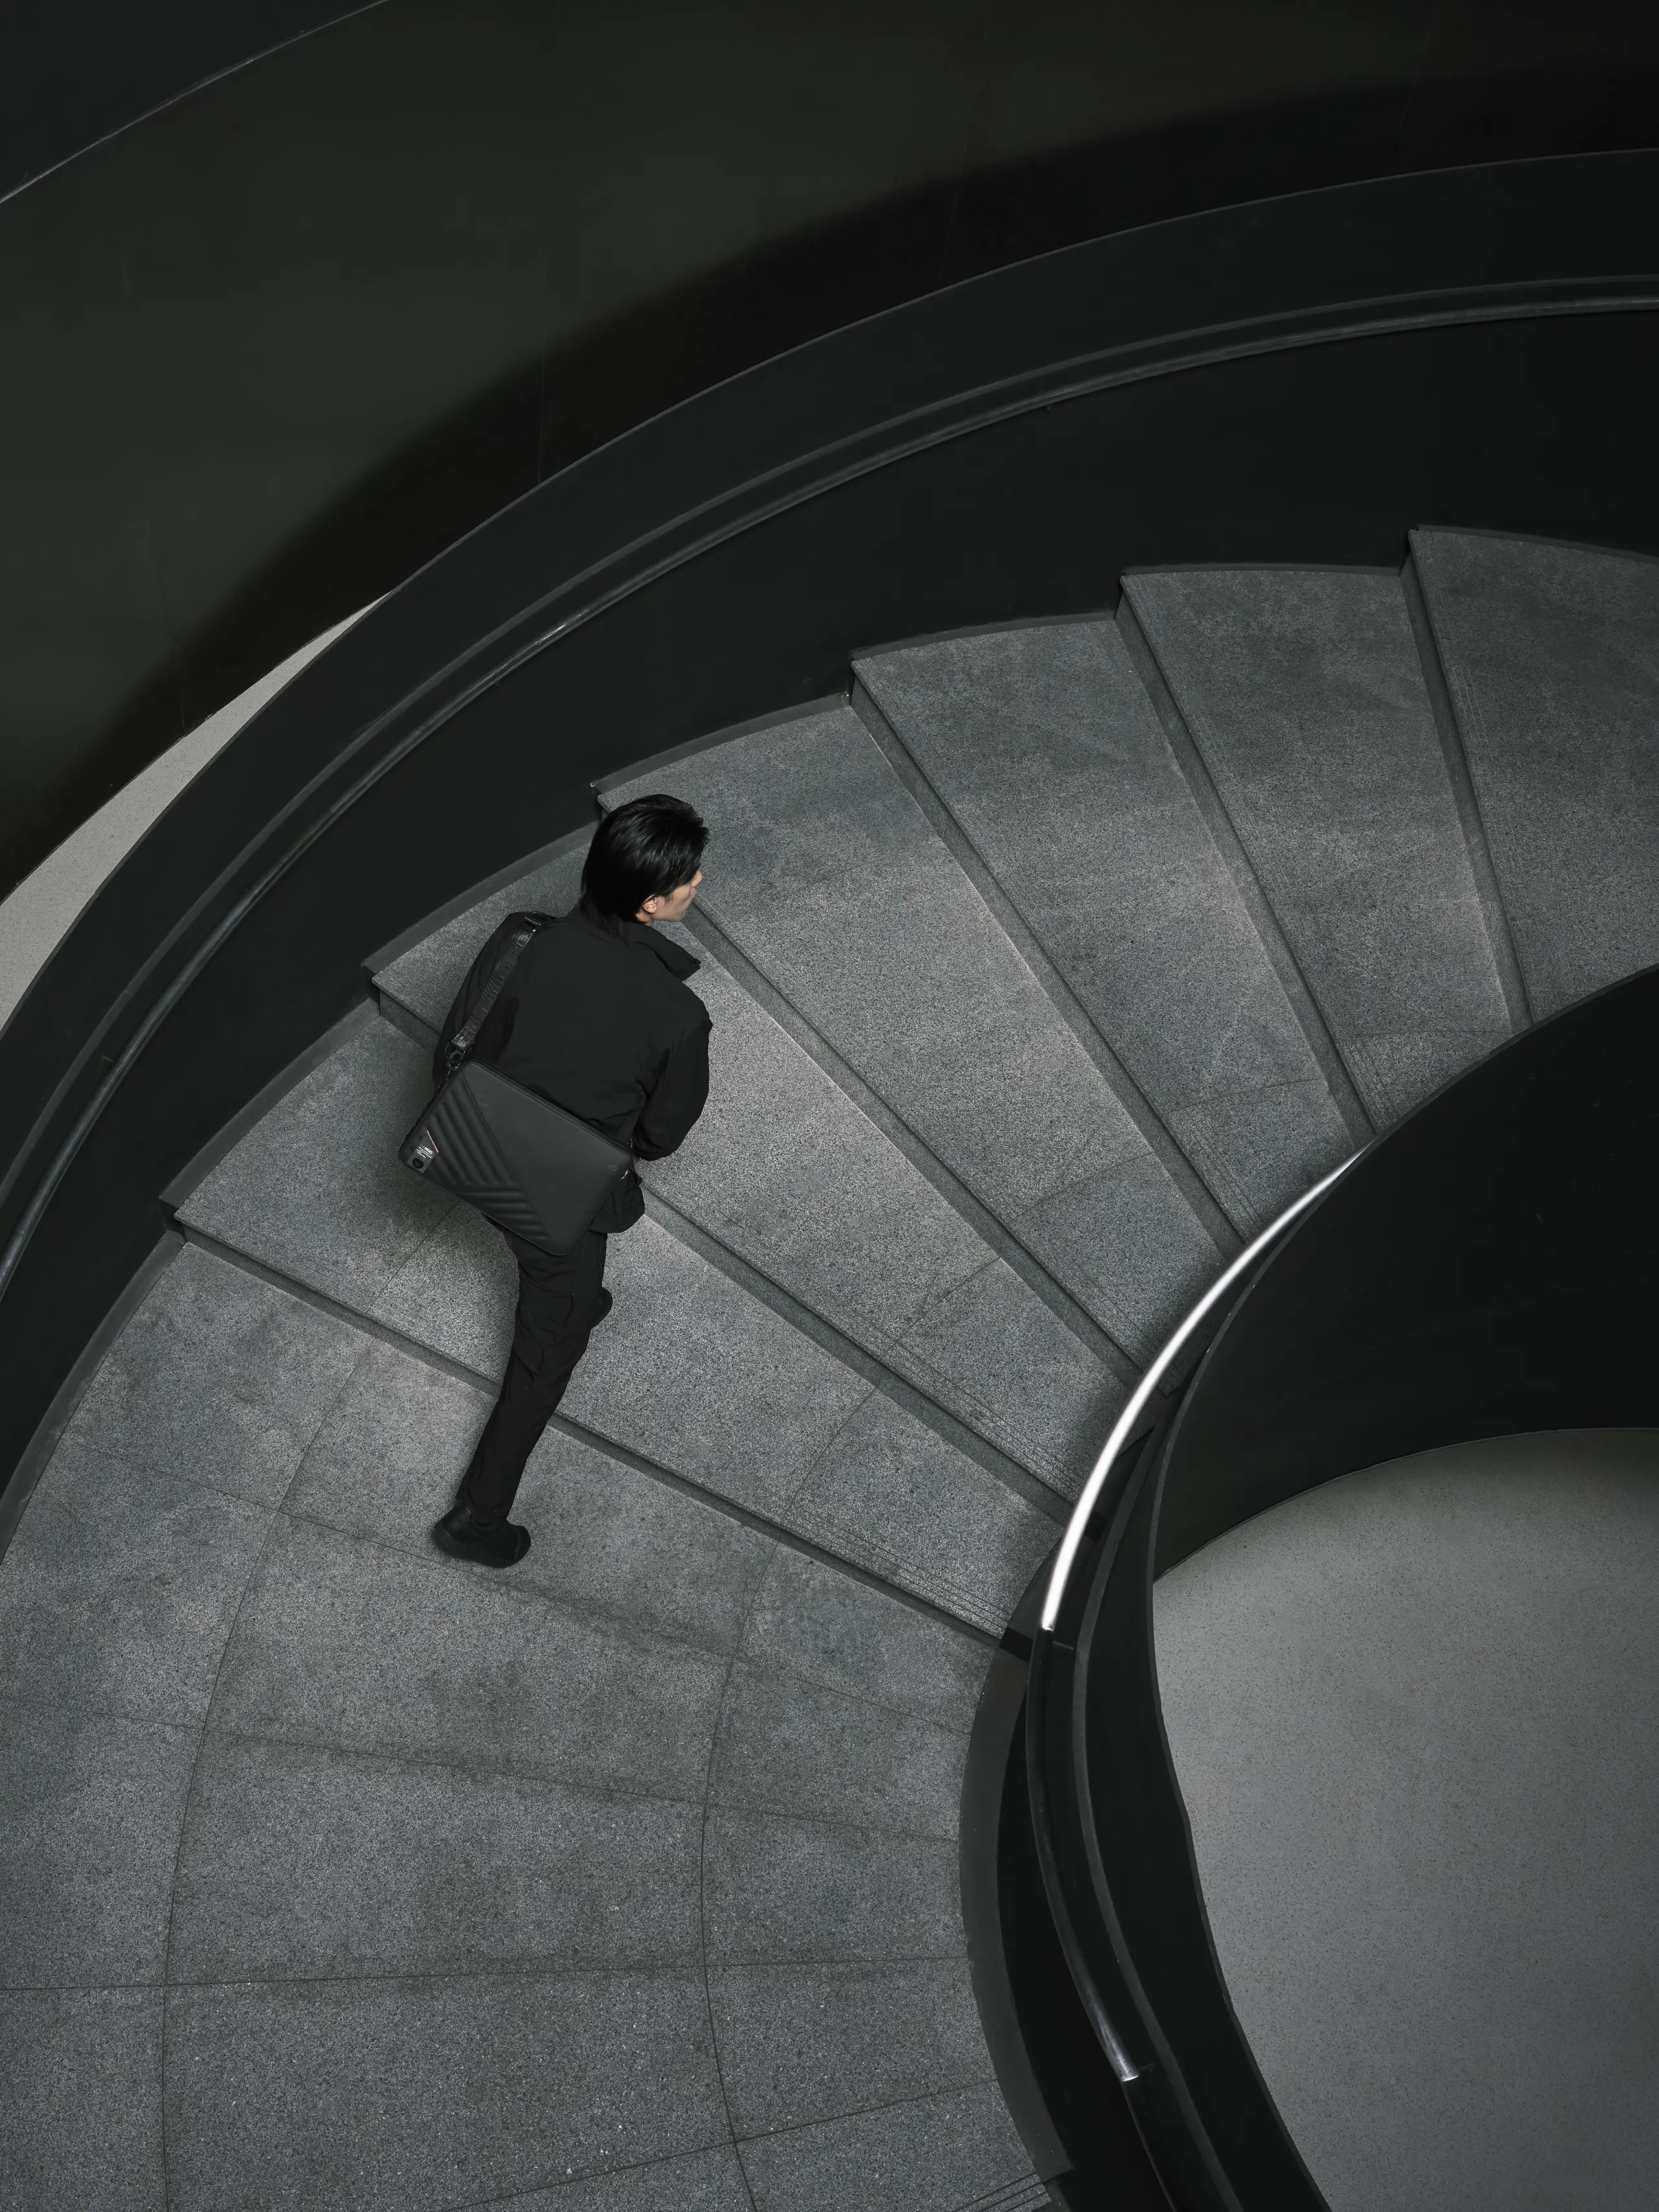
{"type": "Point", "coordinates": [832, 882]}
{"type": "Point", "coordinates": [1552, 659]}
{"type": "Point", "coordinates": [1044, 746]}
{"type": "Point", "coordinates": [1305, 697]}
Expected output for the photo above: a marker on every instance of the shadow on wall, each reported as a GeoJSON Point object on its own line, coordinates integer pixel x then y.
{"type": "Point", "coordinates": [212, 521]}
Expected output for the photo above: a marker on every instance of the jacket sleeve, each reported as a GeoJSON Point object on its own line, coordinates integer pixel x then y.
{"type": "Point", "coordinates": [468, 996]}
{"type": "Point", "coordinates": [679, 1096]}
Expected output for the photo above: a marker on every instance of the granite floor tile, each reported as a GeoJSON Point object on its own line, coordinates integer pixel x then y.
{"type": "Point", "coordinates": [1551, 657]}
{"type": "Point", "coordinates": [943, 2154]}
{"type": "Point", "coordinates": [220, 1377]}
{"type": "Point", "coordinates": [785, 1745]}
{"type": "Point", "coordinates": [455, 1293]}
{"type": "Point", "coordinates": [316, 1189]}
{"type": "Point", "coordinates": [801, 2044]}
{"type": "Point", "coordinates": [119, 1589]}
{"type": "Point", "coordinates": [608, 1539]}
{"type": "Point", "coordinates": [1304, 695]}
{"type": "Point", "coordinates": [706, 2181]}
{"type": "Point", "coordinates": [693, 1372]}
{"type": "Point", "coordinates": [413, 2095]}
{"type": "Point", "coordinates": [786, 1171]}
{"type": "Point", "coordinates": [1045, 746]}
{"type": "Point", "coordinates": [301, 1861]}
{"type": "Point", "coordinates": [345, 1644]}
{"type": "Point", "coordinates": [81, 2101]}
{"type": "Point", "coordinates": [800, 1891]}
{"type": "Point", "coordinates": [813, 1621]}
{"type": "Point", "coordinates": [894, 1496]}
{"type": "Point", "coordinates": [90, 1813]}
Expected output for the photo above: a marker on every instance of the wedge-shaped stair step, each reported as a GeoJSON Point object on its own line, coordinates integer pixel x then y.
{"type": "Point", "coordinates": [829, 879]}
{"type": "Point", "coordinates": [1552, 659]}
{"type": "Point", "coordinates": [1303, 693]}
{"type": "Point", "coordinates": [691, 1372]}
{"type": "Point", "coordinates": [785, 1171]}
{"type": "Point", "coordinates": [1044, 747]}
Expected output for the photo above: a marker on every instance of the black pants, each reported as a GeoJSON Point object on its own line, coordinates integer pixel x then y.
{"type": "Point", "coordinates": [561, 1300]}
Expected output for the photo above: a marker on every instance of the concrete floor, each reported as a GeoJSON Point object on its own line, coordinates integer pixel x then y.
{"type": "Point", "coordinates": [1416, 1717]}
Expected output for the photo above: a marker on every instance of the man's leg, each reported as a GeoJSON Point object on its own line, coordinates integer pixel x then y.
{"type": "Point", "coordinates": [561, 1297]}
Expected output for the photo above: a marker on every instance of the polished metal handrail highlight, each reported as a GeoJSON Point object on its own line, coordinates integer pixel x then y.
{"type": "Point", "coordinates": [1070, 1542]}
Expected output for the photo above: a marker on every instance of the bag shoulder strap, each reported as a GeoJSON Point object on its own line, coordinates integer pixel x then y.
{"type": "Point", "coordinates": [523, 926]}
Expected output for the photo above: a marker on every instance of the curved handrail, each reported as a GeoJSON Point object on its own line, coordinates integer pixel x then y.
{"type": "Point", "coordinates": [1124, 1426]}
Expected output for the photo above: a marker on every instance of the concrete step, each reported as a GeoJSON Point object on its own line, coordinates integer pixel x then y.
{"type": "Point", "coordinates": [1048, 757]}
{"type": "Point", "coordinates": [786, 1173]}
{"type": "Point", "coordinates": [1552, 660]}
{"type": "Point", "coordinates": [1303, 694]}
{"type": "Point", "coordinates": [830, 881]}
{"type": "Point", "coordinates": [692, 1372]}
{"type": "Point", "coordinates": [295, 1800]}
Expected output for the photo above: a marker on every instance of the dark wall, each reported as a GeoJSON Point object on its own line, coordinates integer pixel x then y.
{"type": "Point", "coordinates": [272, 349]}
{"type": "Point", "coordinates": [73, 72]}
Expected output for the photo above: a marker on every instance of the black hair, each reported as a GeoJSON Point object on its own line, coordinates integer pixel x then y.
{"type": "Point", "coordinates": [649, 846]}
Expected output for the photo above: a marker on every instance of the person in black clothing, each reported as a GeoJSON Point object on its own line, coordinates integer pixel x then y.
{"type": "Point", "coordinates": [597, 1017]}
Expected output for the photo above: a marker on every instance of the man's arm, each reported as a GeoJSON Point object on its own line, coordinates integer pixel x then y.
{"type": "Point", "coordinates": [680, 1094]}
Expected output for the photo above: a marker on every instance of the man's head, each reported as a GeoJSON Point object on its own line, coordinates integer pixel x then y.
{"type": "Point", "coordinates": [644, 862]}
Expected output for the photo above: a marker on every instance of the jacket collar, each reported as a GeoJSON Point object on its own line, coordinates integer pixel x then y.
{"type": "Point", "coordinates": [674, 957]}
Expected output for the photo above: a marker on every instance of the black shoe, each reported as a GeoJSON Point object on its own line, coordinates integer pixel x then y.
{"type": "Point", "coordinates": [462, 1537]}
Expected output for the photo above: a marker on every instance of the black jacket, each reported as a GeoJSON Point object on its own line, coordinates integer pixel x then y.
{"type": "Point", "coordinates": [600, 1022]}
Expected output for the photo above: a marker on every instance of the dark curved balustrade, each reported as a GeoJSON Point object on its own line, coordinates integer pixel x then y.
{"type": "Point", "coordinates": [1489, 1268]}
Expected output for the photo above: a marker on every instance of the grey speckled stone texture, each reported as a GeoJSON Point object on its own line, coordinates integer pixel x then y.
{"type": "Point", "coordinates": [119, 1589]}
{"type": "Point", "coordinates": [838, 1978]}
{"type": "Point", "coordinates": [1551, 657]}
{"type": "Point", "coordinates": [805, 2043]}
{"type": "Point", "coordinates": [411, 2095]}
{"type": "Point", "coordinates": [831, 881]}
{"type": "Point", "coordinates": [947, 2153]}
{"type": "Point", "coordinates": [221, 1377]}
{"type": "Point", "coordinates": [301, 1861]}
{"type": "Point", "coordinates": [1303, 693]}
{"type": "Point", "coordinates": [609, 1541]}
{"type": "Point", "coordinates": [707, 2181]}
{"type": "Point", "coordinates": [81, 2101]}
{"type": "Point", "coordinates": [90, 1813]}
{"type": "Point", "coordinates": [316, 1189]}
{"type": "Point", "coordinates": [784, 1170]}
{"type": "Point", "coordinates": [1415, 1714]}
{"type": "Point", "coordinates": [1045, 747]}
{"type": "Point", "coordinates": [343, 1644]}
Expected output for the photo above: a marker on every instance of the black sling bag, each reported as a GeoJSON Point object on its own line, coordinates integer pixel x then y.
{"type": "Point", "coordinates": [521, 1160]}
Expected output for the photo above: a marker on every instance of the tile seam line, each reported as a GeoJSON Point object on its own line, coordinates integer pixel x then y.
{"type": "Point", "coordinates": [746, 1517]}
{"type": "Point", "coordinates": [1281, 956]}
{"type": "Point", "coordinates": [189, 1806]}
{"type": "Point", "coordinates": [986, 2080]}
{"type": "Point", "coordinates": [517, 2196]}
{"type": "Point", "coordinates": [742, 1807]}
{"type": "Point", "coordinates": [714, 1735]}
{"type": "Point", "coordinates": [1005, 908]}
{"type": "Point", "coordinates": [951, 1427]}
{"type": "Point", "coordinates": [1446, 691]}
{"type": "Point", "coordinates": [704, 925]}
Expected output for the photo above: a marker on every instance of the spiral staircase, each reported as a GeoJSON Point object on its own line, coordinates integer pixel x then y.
{"type": "Point", "coordinates": [1045, 968]}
